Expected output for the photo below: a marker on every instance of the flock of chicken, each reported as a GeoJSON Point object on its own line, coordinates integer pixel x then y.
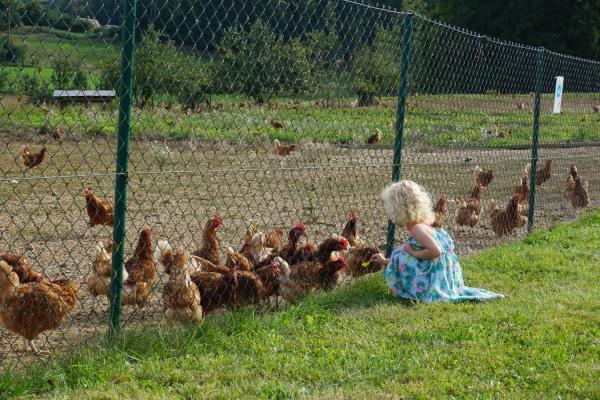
{"type": "Point", "coordinates": [198, 283]}
{"type": "Point", "coordinates": [504, 221]}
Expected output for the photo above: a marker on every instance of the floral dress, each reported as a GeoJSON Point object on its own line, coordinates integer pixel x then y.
{"type": "Point", "coordinates": [439, 279]}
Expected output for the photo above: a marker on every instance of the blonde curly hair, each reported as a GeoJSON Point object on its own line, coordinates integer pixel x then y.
{"type": "Point", "coordinates": [406, 202]}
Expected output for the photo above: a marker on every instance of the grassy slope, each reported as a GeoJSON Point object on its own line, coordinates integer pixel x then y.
{"type": "Point", "coordinates": [358, 342]}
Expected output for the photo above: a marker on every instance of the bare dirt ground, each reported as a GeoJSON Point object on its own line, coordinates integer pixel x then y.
{"type": "Point", "coordinates": [175, 186]}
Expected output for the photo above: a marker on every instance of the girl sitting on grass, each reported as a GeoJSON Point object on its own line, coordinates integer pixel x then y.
{"type": "Point", "coordinates": [426, 267]}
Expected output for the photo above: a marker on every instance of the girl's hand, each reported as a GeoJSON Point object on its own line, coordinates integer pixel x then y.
{"type": "Point", "coordinates": [378, 259]}
{"type": "Point", "coordinates": [408, 248]}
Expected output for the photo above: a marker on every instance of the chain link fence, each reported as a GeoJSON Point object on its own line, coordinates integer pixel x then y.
{"type": "Point", "coordinates": [224, 116]}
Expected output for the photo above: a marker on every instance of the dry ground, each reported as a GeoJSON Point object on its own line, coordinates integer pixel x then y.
{"type": "Point", "coordinates": [42, 210]}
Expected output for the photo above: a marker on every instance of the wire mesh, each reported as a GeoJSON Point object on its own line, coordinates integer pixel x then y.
{"type": "Point", "coordinates": [266, 113]}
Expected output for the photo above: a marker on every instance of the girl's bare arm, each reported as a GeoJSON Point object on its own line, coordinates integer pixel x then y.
{"type": "Point", "coordinates": [422, 235]}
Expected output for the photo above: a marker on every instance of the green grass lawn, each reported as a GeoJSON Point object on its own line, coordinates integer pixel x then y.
{"type": "Point", "coordinates": [541, 341]}
{"type": "Point", "coordinates": [43, 45]}
{"type": "Point", "coordinates": [424, 124]}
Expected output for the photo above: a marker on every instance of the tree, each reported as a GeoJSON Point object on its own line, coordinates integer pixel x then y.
{"type": "Point", "coordinates": [11, 11]}
{"type": "Point", "coordinates": [571, 27]}
{"type": "Point", "coordinates": [377, 67]}
{"type": "Point", "coordinates": [261, 65]}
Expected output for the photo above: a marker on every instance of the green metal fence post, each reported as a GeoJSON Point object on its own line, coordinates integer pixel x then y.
{"type": "Point", "coordinates": [407, 30]}
{"type": "Point", "coordinates": [124, 131]}
{"type": "Point", "coordinates": [534, 143]}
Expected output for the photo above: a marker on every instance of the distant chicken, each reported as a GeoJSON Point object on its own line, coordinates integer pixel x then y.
{"type": "Point", "coordinates": [543, 174]}
{"type": "Point", "coordinates": [522, 188]}
{"type": "Point", "coordinates": [276, 124]}
{"type": "Point", "coordinates": [32, 160]}
{"type": "Point", "coordinates": [21, 267]}
{"type": "Point", "coordinates": [100, 212]}
{"type": "Point", "coordinates": [141, 269]}
{"type": "Point", "coordinates": [573, 171]}
{"type": "Point", "coordinates": [486, 134]}
{"type": "Point", "coordinates": [439, 211]}
{"type": "Point", "coordinates": [359, 263]}
{"type": "Point", "coordinates": [349, 232]}
{"type": "Point", "coordinates": [284, 150]}
{"type": "Point", "coordinates": [483, 178]}
{"type": "Point", "coordinates": [209, 249]}
{"type": "Point", "coordinates": [57, 134]}
{"type": "Point", "coordinates": [505, 221]}
{"type": "Point", "coordinates": [469, 211]}
{"type": "Point", "coordinates": [181, 296]}
{"type": "Point", "coordinates": [287, 250]}
{"type": "Point", "coordinates": [581, 197]}
{"type": "Point", "coordinates": [596, 109]}
{"type": "Point", "coordinates": [569, 189]}
{"type": "Point", "coordinates": [29, 309]}
{"type": "Point", "coordinates": [375, 138]}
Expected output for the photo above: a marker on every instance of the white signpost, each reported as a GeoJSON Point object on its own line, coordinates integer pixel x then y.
{"type": "Point", "coordinates": [558, 92]}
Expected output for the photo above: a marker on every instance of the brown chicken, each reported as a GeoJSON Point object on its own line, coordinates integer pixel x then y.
{"type": "Point", "coordinates": [268, 276]}
{"type": "Point", "coordinates": [359, 261]}
{"type": "Point", "coordinates": [181, 297]}
{"type": "Point", "coordinates": [596, 109]}
{"type": "Point", "coordinates": [284, 149]}
{"type": "Point", "coordinates": [141, 268]}
{"type": "Point", "coordinates": [483, 178]}
{"type": "Point", "coordinates": [543, 174]}
{"type": "Point", "coordinates": [289, 249]}
{"type": "Point", "coordinates": [349, 232]}
{"type": "Point", "coordinates": [329, 246]}
{"type": "Point", "coordinates": [241, 261]}
{"type": "Point", "coordinates": [216, 290]}
{"type": "Point", "coordinates": [569, 189]}
{"type": "Point", "coordinates": [99, 279]}
{"type": "Point", "coordinates": [573, 171]}
{"type": "Point", "coordinates": [100, 212]}
{"type": "Point", "coordinates": [505, 221]}
{"type": "Point", "coordinates": [375, 138]}
{"type": "Point", "coordinates": [581, 197]}
{"type": "Point", "coordinates": [209, 250]}
{"type": "Point", "coordinates": [305, 277]}
{"type": "Point", "coordinates": [273, 239]}
{"type": "Point", "coordinates": [522, 188]}
{"type": "Point", "coordinates": [57, 134]}
{"type": "Point", "coordinates": [305, 253]}
{"type": "Point", "coordinates": [469, 212]}
{"type": "Point", "coordinates": [276, 124]}
{"type": "Point", "coordinates": [21, 267]}
{"type": "Point", "coordinates": [29, 309]}
{"type": "Point", "coordinates": [32, 160]}
{"type": "Point", "coordinates": [439, 211]}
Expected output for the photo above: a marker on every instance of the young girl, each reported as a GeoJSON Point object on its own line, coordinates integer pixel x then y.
{"type": "Point", "coordinates": [426, 267]}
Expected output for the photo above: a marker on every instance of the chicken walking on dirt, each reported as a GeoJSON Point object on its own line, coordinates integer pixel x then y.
{"type": "Point", "coordinates": [33, 159]}
{"type": "Point", "coordinates": [100, 212]}
{"type": "Point", "coordinates": [29, 309]}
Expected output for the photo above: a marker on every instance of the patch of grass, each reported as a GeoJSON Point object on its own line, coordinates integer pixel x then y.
{"type": "Point", "coordinates": [434, 121]}
{"type": "Point", "coordinates": [358, 342]}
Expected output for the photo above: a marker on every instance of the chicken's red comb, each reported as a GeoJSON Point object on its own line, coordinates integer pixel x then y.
{"type": "Point", "coordinates": [344, 241]}
{"type": "Point", "coordinates": [299, 225]}
{"type": "Point", "coordinates": [351, 215]}
{"type": "Point", "coordinates": [340, 260]}
{"type": "Point", "coordinates": [309, 246]}
{"type": "Point", "coordinates": [217, 218]}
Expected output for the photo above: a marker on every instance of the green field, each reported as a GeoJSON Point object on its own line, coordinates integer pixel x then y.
{"type": "Point", "coordinates": [43, 45]}
{"type": "Point", "coordinates": [431, 122]}
{"type": "Point", "coordinates": [358, 342]}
